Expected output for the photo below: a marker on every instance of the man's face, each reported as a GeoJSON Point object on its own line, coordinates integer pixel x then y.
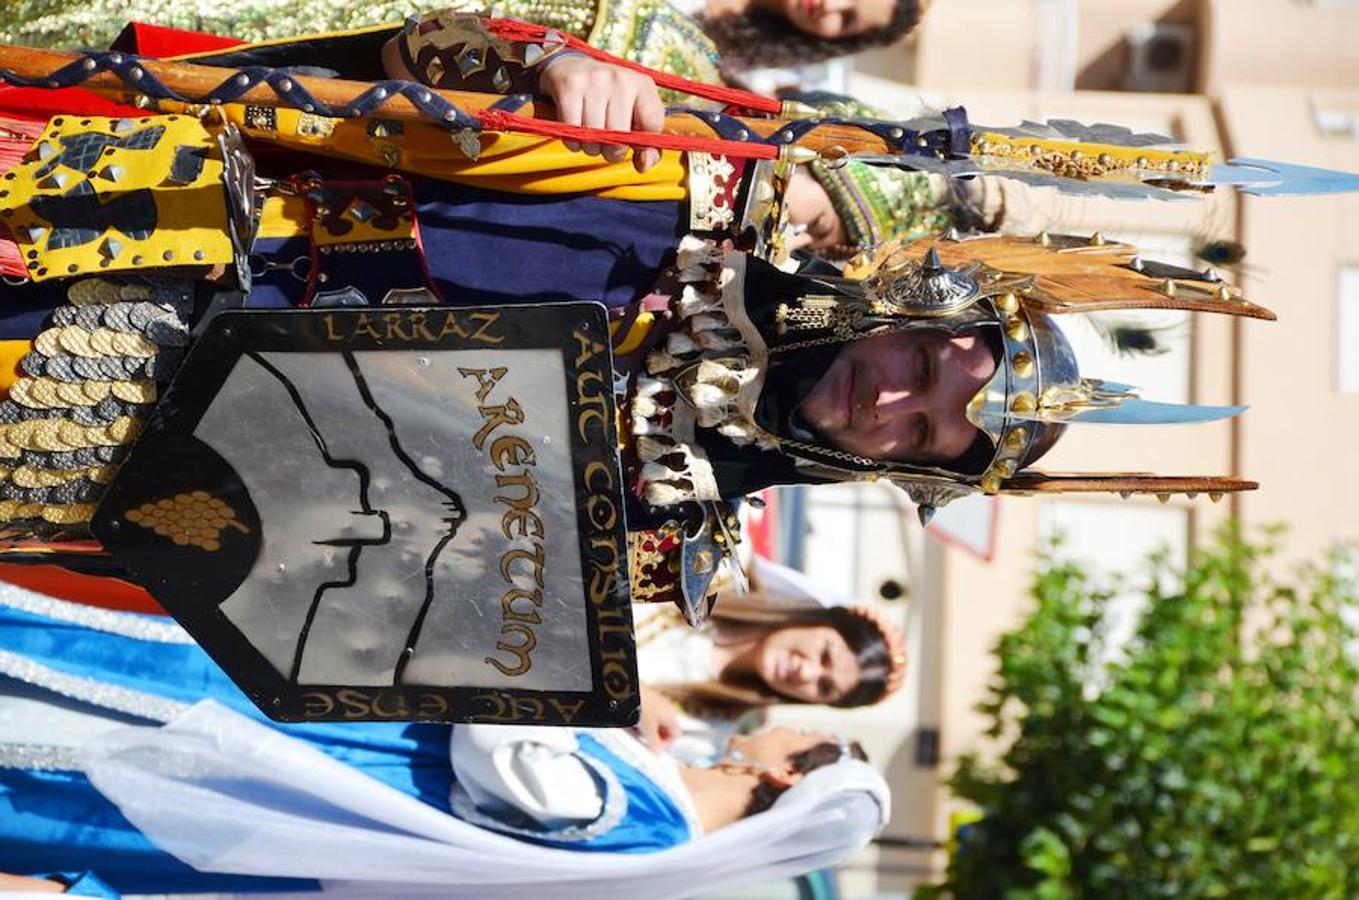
{"type": "Point", "coordinates": [772, 748]}
{"type": "Point", "coordinates": [902, 396]}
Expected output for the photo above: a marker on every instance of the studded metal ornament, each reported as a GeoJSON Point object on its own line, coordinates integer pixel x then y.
{"type": "Point", "coordinates": [929, 289]}
{"type": "Point", "coordinates": [929, 494]}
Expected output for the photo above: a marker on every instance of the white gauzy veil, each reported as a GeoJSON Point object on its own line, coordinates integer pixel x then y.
{"type": "Point", "coordinates": [227, 794]}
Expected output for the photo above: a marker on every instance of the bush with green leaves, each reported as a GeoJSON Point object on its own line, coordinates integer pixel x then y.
{"type": "Point", "coordinates": [1216, 755]}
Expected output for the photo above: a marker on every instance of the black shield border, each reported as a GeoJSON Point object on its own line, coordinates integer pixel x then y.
{"type": "Point", "coordinates": [158, 462]}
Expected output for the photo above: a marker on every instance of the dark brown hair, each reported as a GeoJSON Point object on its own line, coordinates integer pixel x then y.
{"type": "Point", "coordinates": [870, 649]}
{"type": "Point", "coordinates": [759, 39]}
{"type": "Point", "coordinates": [823, 754]}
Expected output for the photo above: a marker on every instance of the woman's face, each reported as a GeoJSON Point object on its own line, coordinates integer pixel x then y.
{"type": "Point", "coordinates": [809, 663]}
{"type": "Point", "coordinates": [835, 19]}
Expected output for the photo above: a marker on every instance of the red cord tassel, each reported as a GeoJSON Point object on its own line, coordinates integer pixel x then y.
{"type": "Point", "coordinates": [499, 120]}
{"type": "Point", "coordinates": [16, 136]}
{"type": "Point", "coordinates": [732, 98]}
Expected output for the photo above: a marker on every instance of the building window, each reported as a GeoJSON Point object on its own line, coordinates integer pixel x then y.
{"type": "Point", "coordinates": [1347, 331]}
{"type": "Point", "coordinates": [854, 540]}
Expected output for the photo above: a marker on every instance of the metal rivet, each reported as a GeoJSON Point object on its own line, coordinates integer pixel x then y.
{"type": "Point", "coordinates": [1017, 329]}
{"type": "Point", "coordinates": [199, 255]}
{"type": "Point", "coordinates": [168, 255]}
{"type": "Point", "coordinates": [1024, 402]}
{"type": "Point", "coordinates": [1023, 364]}
{"type": "Point", "coordinates": [1007, 303]}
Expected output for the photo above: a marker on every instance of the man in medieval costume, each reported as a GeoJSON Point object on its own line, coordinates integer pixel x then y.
{"type": "Point", "coordinates": [938, 365]}
{"type": "Point", "coordinates": [739, 375]}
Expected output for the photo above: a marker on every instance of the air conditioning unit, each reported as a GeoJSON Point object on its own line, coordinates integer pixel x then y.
{"type": "Point", "coordinates": [1162, 57]}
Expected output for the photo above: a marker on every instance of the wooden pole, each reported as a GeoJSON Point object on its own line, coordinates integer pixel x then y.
{"type": "Point", "coordinates": [196, 81]}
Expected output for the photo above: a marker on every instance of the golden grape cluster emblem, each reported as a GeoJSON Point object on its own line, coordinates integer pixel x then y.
{"type": "Point", "coordinates": [190, 519]}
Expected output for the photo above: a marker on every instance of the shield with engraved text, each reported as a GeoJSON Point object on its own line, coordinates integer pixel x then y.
{"type": "Point", "coordinates": [399, 513]}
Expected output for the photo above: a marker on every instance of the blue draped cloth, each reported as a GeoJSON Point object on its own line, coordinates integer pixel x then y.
{"type": "Point", "coordinates": [57, 821]}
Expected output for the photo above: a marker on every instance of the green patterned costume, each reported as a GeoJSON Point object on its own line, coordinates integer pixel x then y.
{"type": "Point", "coordinates": [881, 204]}
{"type": "Point", "coordinates": [874, 204]}
{"type": "Point", "coordinates": [650, 32]}
{"type": "Point", "coordinates": [95, 23]}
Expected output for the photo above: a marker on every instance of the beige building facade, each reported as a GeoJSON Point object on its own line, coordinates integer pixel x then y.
{"type": "Point", "coordinates": [1245, 91]}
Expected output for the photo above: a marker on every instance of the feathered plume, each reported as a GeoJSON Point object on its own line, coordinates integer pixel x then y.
{"type": "Point", "coordinates": [1128, 338]}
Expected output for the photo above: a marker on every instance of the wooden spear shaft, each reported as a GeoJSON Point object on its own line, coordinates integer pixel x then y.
{"type": "Point", "coordinates": [197, 81]}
